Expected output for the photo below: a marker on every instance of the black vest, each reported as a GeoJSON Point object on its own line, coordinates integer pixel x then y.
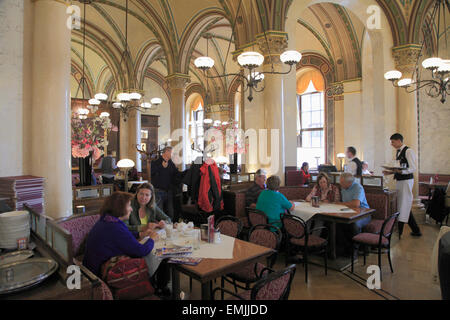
{"type": "Point", "coordinates": [402, 158]}
{"type": "Point", "coordinates": [358, 166]}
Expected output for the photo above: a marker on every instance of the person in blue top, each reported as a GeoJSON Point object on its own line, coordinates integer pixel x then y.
{"type": "Point", "coordinates": [272, 202]}
{"type": "Point", "coordinates": [353, 196]}
{"type": "Point", "coordinates": [110, 236]}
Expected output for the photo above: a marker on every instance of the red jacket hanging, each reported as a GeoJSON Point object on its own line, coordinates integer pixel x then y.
{"type": "Point", "coordinates": [210, 192]}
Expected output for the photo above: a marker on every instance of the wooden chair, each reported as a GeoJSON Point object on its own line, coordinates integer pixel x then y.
{"type": "Point", "coordinates": [380, 240]}
{"type": "Point", "coordinates": [273, 285]}
{"type": "Point", "coordinates": [299, 236]}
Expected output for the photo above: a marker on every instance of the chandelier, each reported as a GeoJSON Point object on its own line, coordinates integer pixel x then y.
{"type": "Point", "coordinates": [127, 99]}
{"type": "Point", "coordinates": [438, 85]}
{"type": "Point", "coordinates": [249, 61]}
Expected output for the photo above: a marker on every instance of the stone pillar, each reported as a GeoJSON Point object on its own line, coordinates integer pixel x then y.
{"type": "Point", "coordinates": [278, 108]}
{"type": "Point", "coordinates": [51, 132]}
{"type": "Point", "coordinates": [405, 58]}
{"type": "Point", "coordinates": [130, 136]}
{"type": "Point", "coordinates": [177, 87]}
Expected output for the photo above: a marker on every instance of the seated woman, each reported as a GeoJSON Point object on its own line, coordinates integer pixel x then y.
{"type": "Point", "coordinates": [323, 189]}
{"type": "Point", "coordinates": [110, 237]}
{"type": "Point", "coordinates": [272, 202]}
{"type": "Point", "coordinates": [326, 192]}
{"type": "Point", "coordinates": [146, 214]}
{"type": "Point", "coordinates": [145, 217]}
{"type": "Point", "coordinates": [305, 176]}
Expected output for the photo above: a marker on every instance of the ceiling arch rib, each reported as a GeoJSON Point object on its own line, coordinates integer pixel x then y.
{"type": "Point", "coordinates": [149, 52]}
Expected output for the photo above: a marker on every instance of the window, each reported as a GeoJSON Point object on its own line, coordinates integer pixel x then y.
{"type": "Point", "coordinates": [310, 127]}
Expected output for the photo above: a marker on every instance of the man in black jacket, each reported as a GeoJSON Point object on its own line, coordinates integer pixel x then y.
{"type": "Point", "coordinates": [164, 178]}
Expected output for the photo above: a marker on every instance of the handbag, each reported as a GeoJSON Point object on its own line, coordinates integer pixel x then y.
{"type": "Point", "coordinates": [127, 277]}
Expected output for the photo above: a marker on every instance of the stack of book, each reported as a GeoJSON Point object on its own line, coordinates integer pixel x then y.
{"type": "Point", "coordinates": [178, 255]}
{"type": "Point", "coordinates": [22, 190]}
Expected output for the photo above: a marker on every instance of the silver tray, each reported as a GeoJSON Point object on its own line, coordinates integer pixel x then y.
{"type": "Point", "coordinates": [15, 256]}
{"type": "Point", "coordinates": [21, 275]}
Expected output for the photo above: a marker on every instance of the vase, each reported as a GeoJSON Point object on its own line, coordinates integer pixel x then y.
{"type": "Point", "coordinates": [85, 170]}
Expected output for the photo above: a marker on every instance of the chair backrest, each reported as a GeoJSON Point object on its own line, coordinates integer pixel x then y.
{"type": "Point", "coordinates": [230, 226]}
{"type": "Point", "coordinates": [274, 286]}
{"type": "Point", "coordinates": [256, 216]}
{"type": "Point", "coordinates": [388, 226]}
{"type": "Point", "coordinates": [265, 235]}
{"type": "Point", "coordinates": [79, 227]}
{"type": "Point", "coordinates": [294, 226]}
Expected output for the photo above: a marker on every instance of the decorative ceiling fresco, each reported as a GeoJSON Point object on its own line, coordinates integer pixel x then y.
{"type": "Point", "coordinates": [165, 37]}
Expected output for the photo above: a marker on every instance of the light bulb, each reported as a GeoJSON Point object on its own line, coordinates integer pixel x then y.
{"type": "Point", "coordinates": [101, 96]}
{"type": "Point", "coordinates": [204, 63]}
{"type": "Point", "coordinates": [431, 63]}
{"type": "Point", "coordinates": [146, 105]}
{"type": "Point", "coordinates": [291, 57]}
{"type": "Point", "coordinates": [94, 102]}
{"type": "Point", "coordinates": [104, 114]}
{"type": "Point", "coordinates": [156, 101]}
{"type": "Point", "coordinates": [392, 75]}
{"type": "Point", "coordinates": [404, 82]}
{"type": "Point", "coordinates": [135, 96]}
{"type": "Point", "coordinates": [123, 96]}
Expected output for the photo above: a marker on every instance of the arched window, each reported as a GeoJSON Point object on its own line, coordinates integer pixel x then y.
{"type": "Point", "coordinates": [194, 124]}
{"type": "Point", "coordinates": [311, 119]}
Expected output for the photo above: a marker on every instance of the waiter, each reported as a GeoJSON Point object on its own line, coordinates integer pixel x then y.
{"type": "Point", "coordinates": [354, 165]}
{"type": "Point", "coordinates": [405, 183]}
{"type": "Point", "coordinates": [164, 178]}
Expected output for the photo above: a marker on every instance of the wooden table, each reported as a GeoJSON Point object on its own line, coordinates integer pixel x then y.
{"type": "Point", "coordinates": [343, 218]}
{"type": "Point", "coordinates": [209, 269]}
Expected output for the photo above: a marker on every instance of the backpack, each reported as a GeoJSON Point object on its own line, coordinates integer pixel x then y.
{"type": "Point", "coordinates": [436, 209]}
{"type": "Point", "coordinates": [127, 277]}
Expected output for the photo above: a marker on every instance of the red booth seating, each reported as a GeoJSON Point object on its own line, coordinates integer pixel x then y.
{"type": "Point", "coordinates": [384, 202]}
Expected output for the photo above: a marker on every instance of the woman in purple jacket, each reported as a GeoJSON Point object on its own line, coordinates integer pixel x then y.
{"type": "Point", "coordinates": [110, 236]}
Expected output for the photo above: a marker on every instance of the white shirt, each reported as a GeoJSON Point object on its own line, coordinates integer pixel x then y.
{"type": "Point", "coordinates": [351, 167]}
{"type": "Point", "coordinates": [411, 157]}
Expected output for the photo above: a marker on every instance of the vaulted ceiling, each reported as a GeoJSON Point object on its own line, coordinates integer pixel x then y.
{"type": "Point", "coordinates": [165, 36]}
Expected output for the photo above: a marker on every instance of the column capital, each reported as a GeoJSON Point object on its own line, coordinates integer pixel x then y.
{"type": "Point", "coordinates": [405, 58]}
{"type": "Point", "coordinates": [272, 44]}
{"type": "Point", "coordinates": [178, 80]}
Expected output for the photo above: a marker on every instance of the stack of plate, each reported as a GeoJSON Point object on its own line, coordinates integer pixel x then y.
{"type": "Point", "coordinates": [14, 225]}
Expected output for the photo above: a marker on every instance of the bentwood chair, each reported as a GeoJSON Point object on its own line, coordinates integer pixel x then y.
{"type": "Point", "coordinates": [256, 217]}
{"type": "Point", "coordinates": [272, 285]}
{"type": "Point", "coordinates": [264, 235]}
{"type": "Point", "coordinates": [300, 238]}
{"type": "Point", "coordinates": [230, 226]}
{"type": "Point", "coordinates": [380, 240]}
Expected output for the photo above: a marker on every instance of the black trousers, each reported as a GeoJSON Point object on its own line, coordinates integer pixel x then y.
{"type": "Point", "coordinates": [162, 276]}
{"type": "Point", "coordinates": [412, 224]}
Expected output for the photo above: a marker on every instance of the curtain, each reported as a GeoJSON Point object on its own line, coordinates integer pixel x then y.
{"type": "Point", "coordinates": [197, 103]}
{"type": "Point", "coordinates": [313, 75]}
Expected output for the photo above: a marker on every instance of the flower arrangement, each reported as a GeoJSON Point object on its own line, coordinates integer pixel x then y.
{"type": "Point", "coordinates": [233, 138]}
{"type": "Point", "coordinates": [89, 135]}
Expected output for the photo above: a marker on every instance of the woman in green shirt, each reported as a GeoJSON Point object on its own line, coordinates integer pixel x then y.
{"type": "Point", "coordinates": [146, 214]}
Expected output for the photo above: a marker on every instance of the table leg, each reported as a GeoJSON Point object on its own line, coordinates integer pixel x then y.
{"type": "Point", "coordinates": [206, 290]}
{"type": "Point", "coordinates": [175, 284]}
{"type": "Point", "coordinates": [333, 240]}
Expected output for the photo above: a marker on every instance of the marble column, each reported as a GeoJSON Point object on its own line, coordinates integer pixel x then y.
{"type": "Point", "coordinates": [177, 88]}
{"type": "Point", "coordinates": [130, 136]}
{"type": "Point", "coordinates": [51, 132]}
{"type": "Point", "coordinates": [279, 104]}
{"type": "Point", "coordinates": [405, 58]}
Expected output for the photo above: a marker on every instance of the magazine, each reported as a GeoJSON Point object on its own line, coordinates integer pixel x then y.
{"type": "Point", "coordinates": [173, 252]}
{"type": "Point", "coordinates": [185, 260]}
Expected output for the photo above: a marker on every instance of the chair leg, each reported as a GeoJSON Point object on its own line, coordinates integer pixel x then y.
{"type": "Point", "coordinates": [364, 254]}
{"type": "Point", "coordinates": [353, 255]}
{"type": "Point", "coordinates": [325, 258]}
{"type": "Point", "coordinates": [379, 261]}
{"type": "Point", "coordinates": [235, 286]}
{"type": "Point", "coordinates": [222, 284]}
{"type": "Point", "coordinates": [306, 264]}
{"type": "Point", "coordinates": [390, 261]}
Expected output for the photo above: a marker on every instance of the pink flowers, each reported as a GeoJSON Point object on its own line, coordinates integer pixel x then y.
{"type": "Point", "coordinates": [78, 152]}
{"type": "Point", "coordinates": [89, 135]}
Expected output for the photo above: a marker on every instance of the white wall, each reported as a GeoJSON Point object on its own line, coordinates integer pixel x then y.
{"type": "Point", "coordinates": [11, 76]}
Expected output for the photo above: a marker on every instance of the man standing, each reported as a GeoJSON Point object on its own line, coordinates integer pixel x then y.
{"type": "Point", "coordinates": [164, 175]}
{"type": "Point", "coordinates": [107, 166]}
{"type": "Point", "coordinates": [252, 194]}
{"type": "Point", "coordinates": [354, 165]}
{"type": "Point", "coordinates": [405, 183]}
